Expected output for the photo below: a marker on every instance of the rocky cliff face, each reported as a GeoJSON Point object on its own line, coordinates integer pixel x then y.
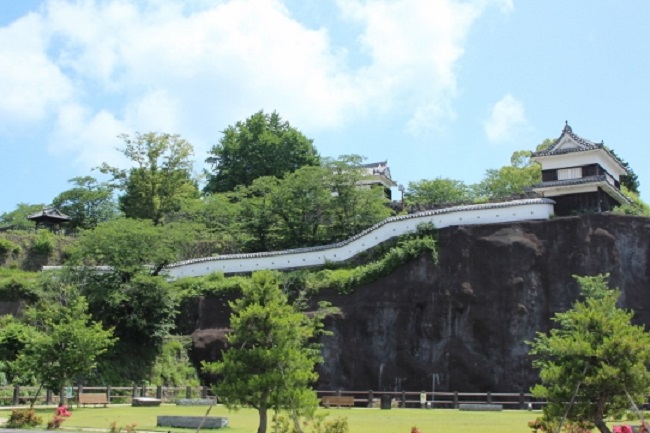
{"type": "Point", "coordinates": [462, 324]}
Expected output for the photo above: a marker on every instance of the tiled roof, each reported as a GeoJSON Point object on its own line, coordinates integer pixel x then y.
{"type": "Point", "coordinates": [586, 144]}
{"type": "Point", "coordinates": [52, 213]}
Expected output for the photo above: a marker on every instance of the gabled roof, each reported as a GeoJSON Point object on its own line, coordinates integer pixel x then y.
{"type": "Point", "coordinates": [569, 142]}
{"type": "Point", "coordinates": [51, 214]}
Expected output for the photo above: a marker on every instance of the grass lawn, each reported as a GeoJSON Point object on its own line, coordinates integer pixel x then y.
{"type": "Point", "coordinates": [360, 420]}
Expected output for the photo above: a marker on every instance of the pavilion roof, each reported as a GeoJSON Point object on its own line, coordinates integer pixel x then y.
{"type": "Point", "coordinates": [49, 214]}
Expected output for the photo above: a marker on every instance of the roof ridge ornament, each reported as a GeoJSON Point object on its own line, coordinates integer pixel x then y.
{"type": "Point", "coordinates": [567, 128]}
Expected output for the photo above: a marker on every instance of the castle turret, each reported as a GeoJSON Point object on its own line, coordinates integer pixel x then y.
{"type": "Point", "coordinates": [579, 175]}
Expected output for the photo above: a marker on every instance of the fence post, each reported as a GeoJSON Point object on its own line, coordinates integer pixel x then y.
{"type": "Point", "coordinates": [159, 392]}
{"type": "Point", "coordinates": [48, 397]}
{"type": "Point", "coordinates": [143, 391]}
{"type": "Point", "coordinates": [403, 399]}
{"type": "Point", "coordinates": [370, 398]}
{"type": "Point", "coordinates": [522, 404]}
{"type": "Point", "coordinates": [204, 392]}
{"type": "Point", "coordinates": [188, 392]}
{"type": "Point", "coordinates": [489, 397]}
{"type": "Point", "coordinates": [109, 392]}
{"type": "Point", "coordinates": [134, 393]}
{"type": "Point", "coordinates": [455, 399]}
{"type": "Point", "coordinates": [16, 399]}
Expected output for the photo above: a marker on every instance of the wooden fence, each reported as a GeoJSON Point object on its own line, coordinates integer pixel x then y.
{"type": "Point", "coordinates": [17, 396]}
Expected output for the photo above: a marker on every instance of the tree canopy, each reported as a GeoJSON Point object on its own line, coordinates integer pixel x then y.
{"type": "Point", "coordinates": [160, 181]}
{"type": "Point", "coordinates": [262, 145]}
{"type": "Point", "coordinates": [437, 191]}
{"type": "Point", "coordinates": [594, 361]}
{"type": "Point", "coordinates": [87, 204]}
{"type": "Point", "coordinates": [64, 342]}
{"type": "Point", "coordinates": [271, 357]}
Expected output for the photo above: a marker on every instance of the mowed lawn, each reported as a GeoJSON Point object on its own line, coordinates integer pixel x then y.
{"type": "Point", "coordinates": [360, 420]}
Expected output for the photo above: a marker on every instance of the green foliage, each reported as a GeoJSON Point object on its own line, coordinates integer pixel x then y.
{"type": "Point", "coordinates": [596, 354]}
{"type": "Point", "coordinates": [353, 207]}
{"type": "Point", "coordinates": [14, 336]}
{"type": "Point", "coordinates": [161, 180]}
{"type": "Point", "coordinates": [18, 217]}
{"type": "Point", "coordinates": [318, 423]}
{"type": "Point", "coordinates": [87, 204]}
{"type": "Point", "coordinates": [128, 245]}
{"type": "Point", "coordinates": [271, 359]}
{"type": "Point", "coordinates": [437, 191]}
{"type": "Point", "coordinates": [173, 366]}
{"type": "Point", "coordinates": [65, 342]}
{"type": "Point", "coordinates": [262, 145]}
{"type": "Point", "coordinates": [635, 207]}
{"type": "Point", "coordinates": [346, 280]}
{"type": "Point", "coordinates": [511, 179]}
{"type": "Point", "coordinates": [19, 285]}
{"type": "Point", "coordinates": [43, 243]}
{"type": "Point", "coordinates": [9, 248]}
{"type": "Point", "coordinates": [23, 418]}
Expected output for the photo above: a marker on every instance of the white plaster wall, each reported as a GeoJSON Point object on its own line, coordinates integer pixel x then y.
{"type": "Point", "coordinates": [578, 159]}
{"type": "Point", "coordinates": [518, 210]}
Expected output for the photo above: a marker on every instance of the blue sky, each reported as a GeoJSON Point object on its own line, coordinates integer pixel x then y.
{"type": "Point", "coordinates": [439, 88]}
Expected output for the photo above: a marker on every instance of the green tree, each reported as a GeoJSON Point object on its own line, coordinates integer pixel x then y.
{"type": "Point", "coordinates": [271, 357]}
{"type": "Point", "coordinates": [257, 215]}
{"type": "Point", "coordinates": [17, 218]}
{"type": "Point", "coordinates": [131, 246]}
{"type": "Point", "coordinates": [511, 179]}
{"type": "Point", "coordinates": [65, 343]}
{"type": "Point", "coordinates": [354, 207]}
{"type": "Point", "coordinates": [302, 202]}
{"type": "Point", "coordinates": [87, 204]}
{"type": "Point", "coordinates": [595, 361]}
{"type": "Point", "coordinates": [160, 181]}
{"type": "Point", "coordinates": [437, 191]}
{"type": "Point", "coordinates": [263, 145]}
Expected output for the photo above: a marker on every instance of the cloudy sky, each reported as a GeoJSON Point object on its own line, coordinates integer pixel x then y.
{"type": "Point", "coordinates": [439, 88]}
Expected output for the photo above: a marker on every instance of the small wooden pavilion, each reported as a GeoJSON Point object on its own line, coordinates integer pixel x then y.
{"type": "Point", "coordinates": [580, 175]}
{"type": "Point", "coordinates": [49, 218]}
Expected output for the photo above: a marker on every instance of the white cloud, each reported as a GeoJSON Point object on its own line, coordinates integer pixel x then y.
{"type": "Point", "coordinates": [506, 118]}
{"type": "Point", "coordinates": [30, 83]}
{"type": "Point", "coordinates": [193, 67]}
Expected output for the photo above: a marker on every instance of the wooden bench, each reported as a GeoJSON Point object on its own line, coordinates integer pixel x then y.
{"type": "Point", "coordinates": [337, 400]}
{"type": "Point", "coordinates": [93, 398]}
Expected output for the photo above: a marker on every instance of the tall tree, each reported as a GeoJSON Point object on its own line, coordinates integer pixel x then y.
{"type": "Point", "coordinates": [131, 294]}
{"type": "Point", "coordinates": [87, 204]}
{"type": "Point", "coordinates": [263, 145]}
{"type": "Point", "coordinates": [257, 216]}
{"type": "Point", "coordinates": [353, 207]}
{"type": "Point", "coordinates": [595, 361]}
{"type": "Point", "coordinates": [161, 179]}
{"type": "Point", "coordinates": [271, 357]}
{"type": "Point", "coordinates": [65, 343]}
{"type": "Point", "coordinates": [302, 202]}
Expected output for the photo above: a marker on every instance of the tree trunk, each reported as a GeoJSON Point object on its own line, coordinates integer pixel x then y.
{"type": "Point", "coordinates": [601, 426]}
{"type": "Point", "coordinates": [263, 419]}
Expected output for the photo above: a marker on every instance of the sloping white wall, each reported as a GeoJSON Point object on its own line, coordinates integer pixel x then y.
{"type": "Point", "coordinates": [490, 213]}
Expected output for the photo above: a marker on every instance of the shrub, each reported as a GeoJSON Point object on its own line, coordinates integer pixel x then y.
{"type": "Point", "coordinates": [43, 243]}
{"type": "Point", "coordinates": [7, 247]}
{"type": "Point", "coordinates": [21, 418]}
